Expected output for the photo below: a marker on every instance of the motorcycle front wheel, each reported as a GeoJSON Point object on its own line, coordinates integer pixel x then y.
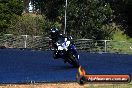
{"type": "Point", "coordinates": [71, 59]}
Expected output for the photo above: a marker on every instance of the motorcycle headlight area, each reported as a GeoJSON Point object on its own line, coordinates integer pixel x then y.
{"type": "Point", "coordinates": [63, 46]}
{"type": "Point", "coordinates": [60, 48]}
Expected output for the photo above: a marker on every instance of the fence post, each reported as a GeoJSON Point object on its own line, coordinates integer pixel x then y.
{"type": "Point", "coordinates": [105, 45]}
{"type": "Point", "coordinates": [25, 41]}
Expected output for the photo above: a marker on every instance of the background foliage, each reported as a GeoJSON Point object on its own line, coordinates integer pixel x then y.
{"type": "Point", "coordinates": [9, 11]}
{"type": "Point", "coordinates": [95, 19]}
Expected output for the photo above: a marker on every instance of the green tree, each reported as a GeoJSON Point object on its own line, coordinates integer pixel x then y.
{"type": "Point", "coordinates": [85, 18]}
{"type": "Point", "coordinates": [32, 24]}
{"type": "Point", "coordinates": [122, 12]}
{"type": "Point", "coordinates": [50, 8]}
{"type": "Point", "coordinates": [9, 10]}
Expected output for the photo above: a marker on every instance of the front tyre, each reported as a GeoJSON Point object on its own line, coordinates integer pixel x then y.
{"type": "Point", "coordinates": [71, 59]}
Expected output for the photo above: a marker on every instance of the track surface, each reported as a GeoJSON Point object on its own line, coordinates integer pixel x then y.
{"type": "Point", "coordinates": [23, 66]}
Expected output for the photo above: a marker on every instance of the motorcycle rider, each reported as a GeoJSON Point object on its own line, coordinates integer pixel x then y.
{"type": "Point", "coordinates": [56, 37]}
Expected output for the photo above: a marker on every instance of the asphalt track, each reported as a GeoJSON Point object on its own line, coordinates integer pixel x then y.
{"type": "Point", "coordinates": [25, 66]}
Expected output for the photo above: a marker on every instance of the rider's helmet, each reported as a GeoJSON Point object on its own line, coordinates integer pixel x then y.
{"type": "Point", "coordinates": [54, 33]}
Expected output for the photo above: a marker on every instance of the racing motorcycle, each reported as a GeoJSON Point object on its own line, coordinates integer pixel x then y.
{"type": "Point", "coordinates": [67, 51]}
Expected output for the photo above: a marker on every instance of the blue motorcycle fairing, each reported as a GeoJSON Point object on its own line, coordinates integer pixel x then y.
{"type": "Point", "coordinates": [74, 51]}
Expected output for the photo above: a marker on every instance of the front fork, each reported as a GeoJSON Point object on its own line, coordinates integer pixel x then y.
{"type": "Point", "coordinates": [74, 51]}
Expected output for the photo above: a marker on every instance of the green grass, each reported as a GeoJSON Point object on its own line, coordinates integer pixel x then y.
{"type": "Point", "coordinates": [120, 47]}
{"type": "Point", "coordinates": [129, 85]}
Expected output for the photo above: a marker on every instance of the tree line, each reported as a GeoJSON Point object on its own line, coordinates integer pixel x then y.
{"type": "Point", "coordinates": [96, 19]}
